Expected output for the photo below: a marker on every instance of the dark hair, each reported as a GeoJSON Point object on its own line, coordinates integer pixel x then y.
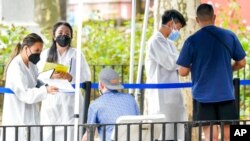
{"type": "Point", "coordinates": [205, 12]}
{"type": "Point", "coordinates": [52, 54]}
{"type": "Point", "coordinates": [29, 41]}
{"type": "Point", "coordinates": [175, 15]}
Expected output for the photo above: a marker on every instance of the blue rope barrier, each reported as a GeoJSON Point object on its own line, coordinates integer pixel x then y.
{"type": "Point", "coordinates": [151, 86]}
{"type": "Point", "coordinates": [81, 85]}
{"type": "Point", "coordinates": [137, 86]}
{"type": "Point", "coordinates": [6, 90]}
{"type": "Point", "coordinates": [244, 82]}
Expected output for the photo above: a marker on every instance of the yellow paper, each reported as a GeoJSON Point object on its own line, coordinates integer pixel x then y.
{"type": "Point", "coordinates": [57, 67]}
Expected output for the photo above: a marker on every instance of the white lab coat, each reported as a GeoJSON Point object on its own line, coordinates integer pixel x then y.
{"type": "Point", "coordinates": [59, 108]}
{"type": "Point", "coordinates": [160, 65]}
{"type": "Point", "coordinates": [22, 108]}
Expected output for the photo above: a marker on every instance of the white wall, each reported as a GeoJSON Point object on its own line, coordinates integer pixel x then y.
{"type": "Point", "coordinates": [0, 11]}
{"type": "Point", "coordinates": [20, 11]}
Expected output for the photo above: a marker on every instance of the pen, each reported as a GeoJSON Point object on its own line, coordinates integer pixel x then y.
{"type": "Point", "coordinates": [70, 64]}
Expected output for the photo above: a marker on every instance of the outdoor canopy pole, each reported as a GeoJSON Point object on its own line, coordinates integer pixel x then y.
{"type": "Point", "coordinates": [132, 45]}
{"type": "Point", "coordinates": [143, 38]}
{"type": "Point", "coordinates": [78, 64]}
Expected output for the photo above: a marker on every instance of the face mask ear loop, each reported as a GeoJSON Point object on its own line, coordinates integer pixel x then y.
{"type": "Point", "coordinates": [100, 92]}
{"type": "Point", "coordinates": [30, 50]}
{"type": "Point", "coordinates": [174, 24]}
{"type": "Point", "coordinates": [26, 53]}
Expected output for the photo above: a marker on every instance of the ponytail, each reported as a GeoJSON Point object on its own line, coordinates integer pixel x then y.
{"type": "Point", "coordinates": [16, 51]}
{"type": "Point", "coordinates": [29, 41]}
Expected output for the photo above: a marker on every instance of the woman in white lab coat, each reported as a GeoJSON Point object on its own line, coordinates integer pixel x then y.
{"type": "Point", "coordinates": [160, 64]}
{"type": "Point", "coordinates": [59, 109]}
{"type": "Point", "coordinates": [22, 107]}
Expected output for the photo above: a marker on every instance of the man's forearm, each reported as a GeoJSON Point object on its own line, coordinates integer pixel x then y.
{"type": "Point", "coordinates": [238, 65]}
{"type": "Point", "coordinates": [183, 71]}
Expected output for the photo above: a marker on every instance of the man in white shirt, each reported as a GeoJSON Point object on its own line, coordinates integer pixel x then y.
{"type": "Point", "coordinates": [160, 63]}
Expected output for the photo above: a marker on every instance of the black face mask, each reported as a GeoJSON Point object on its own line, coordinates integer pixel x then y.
{"type": "Point", "coordinates": [34, 58]}
{"type": "Point", "coordinates": [63, 40]}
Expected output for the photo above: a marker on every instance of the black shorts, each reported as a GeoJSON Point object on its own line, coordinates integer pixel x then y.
{"type": "Point", "coordinates": [225, 110]}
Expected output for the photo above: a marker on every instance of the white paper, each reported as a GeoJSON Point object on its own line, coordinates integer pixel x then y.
{"type": "Point", "coordinates": [45, 74]}
{"type": "Point", "coordinates": [63, 85]}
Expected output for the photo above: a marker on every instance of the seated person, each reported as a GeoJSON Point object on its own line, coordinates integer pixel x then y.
{"type": "Point", "coordinates": [111, 104]}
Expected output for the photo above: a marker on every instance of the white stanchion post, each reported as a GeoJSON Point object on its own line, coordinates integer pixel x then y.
{"type": "Point", "coordinates": [78, 67]}
{"type": "Point", "coordinates": [132, 45]}
{"type": "Point", "coordinates": [143, 38]}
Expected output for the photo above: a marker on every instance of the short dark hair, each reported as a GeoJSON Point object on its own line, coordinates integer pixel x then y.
{"type": "Point", "coordinates": [205, 12]}
{"type": "Point", "coordinates": [175, 15]}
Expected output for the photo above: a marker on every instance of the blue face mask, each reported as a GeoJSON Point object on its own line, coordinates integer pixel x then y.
{"type": "Point", "coordinates": [174, 35]}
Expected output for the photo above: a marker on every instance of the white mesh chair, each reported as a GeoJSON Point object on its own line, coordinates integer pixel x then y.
{"type": "Point", "coordinates": [134, 129]}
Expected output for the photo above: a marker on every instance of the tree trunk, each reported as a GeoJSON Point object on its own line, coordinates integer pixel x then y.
{"type": "Point", "coordinates": [47, 13]}
{"type": "Point", "coordinates": [138, 6]}
{"type": "Point", "coordinates": [188, 10]}
{"type": "Point", "coordinates": [63, 9]}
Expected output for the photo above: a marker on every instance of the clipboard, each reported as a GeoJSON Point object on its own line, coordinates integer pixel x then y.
{"type": "Point", "coordinates": [45, 74]}
{"type": "Point", "coordinates": [63, 85]}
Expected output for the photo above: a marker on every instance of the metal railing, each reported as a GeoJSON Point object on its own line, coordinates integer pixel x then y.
{"type": "Point", "coordinates": [243, 94]}
{"type": "Point", "coordinates": [141, 126]}
{"type": "Point", "coordinates": [143, 131]}
{"type": "Point", "coordinates": [123, 70]}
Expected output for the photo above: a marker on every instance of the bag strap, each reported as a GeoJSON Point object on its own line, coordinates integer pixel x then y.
{"type": "Point", "coordinates": [219, 39]}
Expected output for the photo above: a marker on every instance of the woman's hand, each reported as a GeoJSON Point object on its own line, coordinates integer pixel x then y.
{"type": "Point", "coordinates": [51, 89]}
{"type": "Point", "coordinates": [62, 75]}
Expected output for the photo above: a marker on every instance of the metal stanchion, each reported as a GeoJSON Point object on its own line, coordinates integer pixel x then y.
{"type": "Point", "coordinates": [87, 88]}
{"type": "Point", "coordinates": [236, 82]}
{"type": "Point", "coordinates": [142, 92]}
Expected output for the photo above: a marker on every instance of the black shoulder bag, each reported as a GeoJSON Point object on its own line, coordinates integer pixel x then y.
{"type": "Point", "coordinates": [217, 38]}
